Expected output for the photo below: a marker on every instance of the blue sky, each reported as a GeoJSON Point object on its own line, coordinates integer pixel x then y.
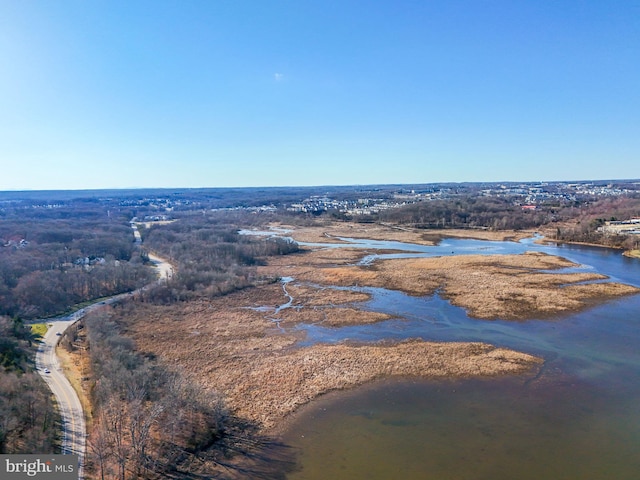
{"type": "Point", "coordinates": [136, 93]}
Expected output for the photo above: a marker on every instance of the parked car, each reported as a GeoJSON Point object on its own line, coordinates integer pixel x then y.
{"type": "Point", "coordinates": [46, 370]}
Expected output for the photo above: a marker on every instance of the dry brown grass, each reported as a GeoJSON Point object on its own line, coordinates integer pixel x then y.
{"type": "Point", "coordinates": [488, 286]}
{"type": "Point", "coordinates": [77, 370]}
{"type": "Point", "coordinates": [233, 344]}
{"type": "Point", "coordinates": [478, 234]}
{"type": "Point", "coordinates": [278, 384]}
{"type": "Point", "coordinates": [330, 231]}
{"type": "Point", "coordinates": [331, 317]}
{"type": "Point", "coordinates": [237, 351]}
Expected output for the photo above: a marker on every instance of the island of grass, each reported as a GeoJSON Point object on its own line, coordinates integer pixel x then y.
{"type": "Point", "coordinates": [632, 253]}
{"type": "Point", "coordinates": [244, 347]}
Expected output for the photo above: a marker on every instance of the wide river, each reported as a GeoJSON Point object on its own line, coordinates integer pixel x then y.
{"type": "Point", "coordinates": [578, 418]}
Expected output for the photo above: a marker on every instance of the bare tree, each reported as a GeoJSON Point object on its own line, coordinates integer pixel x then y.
{"type": "Point", "coordinates": [100, 446]}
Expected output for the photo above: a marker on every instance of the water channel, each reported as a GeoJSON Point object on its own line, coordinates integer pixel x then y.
{"type": "Point", "coordinates": [578, 418]}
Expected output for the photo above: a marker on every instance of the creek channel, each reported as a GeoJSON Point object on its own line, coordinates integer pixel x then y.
{"type": "Point", "coordinates": [579, 417]}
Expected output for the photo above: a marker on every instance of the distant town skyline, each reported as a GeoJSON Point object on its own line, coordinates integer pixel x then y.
{"type": "Point", "coordinates": [160, 94]}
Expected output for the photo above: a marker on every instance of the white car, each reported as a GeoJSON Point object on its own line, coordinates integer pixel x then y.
{"type": "Point", "coordinates": [46, 370]}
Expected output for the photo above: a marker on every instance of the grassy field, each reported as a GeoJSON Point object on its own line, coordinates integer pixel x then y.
{"type": "Point", "coordinates": [39, 329]}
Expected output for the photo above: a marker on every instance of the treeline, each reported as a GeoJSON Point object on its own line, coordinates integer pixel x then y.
{"type": "Point", "coordinates": [468, 212]}
{"type": "Point", "coordinates": [595, 215]}
{"type": "Point", "coordinates": [501, 213]}
{"type": "Point", "coordinates": [587, 234]}
{"type": "Point", "coordinates": [212, 258]}
{"type": "Point", "coordinates": [148, 421]}
{"type": "Point", "coordinates": [48, 264]}
{"type": "Point", "coordinates": [27, 416]}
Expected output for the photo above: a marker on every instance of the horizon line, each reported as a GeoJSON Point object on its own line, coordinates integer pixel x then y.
{"type": "Point", "coordinates": [475, 182]}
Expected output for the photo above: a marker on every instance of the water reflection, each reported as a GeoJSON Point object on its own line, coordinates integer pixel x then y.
{"type": "Point", "coordinates": [577, 419]}
{"type": "Point", "coordinates": [500, 429]}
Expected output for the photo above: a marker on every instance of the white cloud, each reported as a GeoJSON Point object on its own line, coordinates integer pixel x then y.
{"type": "Point", "coordinates": [278, 77]}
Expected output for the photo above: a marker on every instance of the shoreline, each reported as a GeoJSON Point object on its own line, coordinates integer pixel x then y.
{"type": "Point", "coordinates": [265, 376]}
{"type": "Point", "coordinates": [627, 253]}
{"type": "Point", "coordinates": [245, 345]}
{"type": "Point", "coordinates": [283, 428]}
{"type": "Point", "coordinates": [386, 231]}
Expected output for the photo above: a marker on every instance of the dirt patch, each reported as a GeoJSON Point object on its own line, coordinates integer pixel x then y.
{"type": "Point", "coordinates": [77, 369]}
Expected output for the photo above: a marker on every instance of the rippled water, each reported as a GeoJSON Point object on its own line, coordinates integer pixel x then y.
{"type": "Point", "coordinates": [578, 419]}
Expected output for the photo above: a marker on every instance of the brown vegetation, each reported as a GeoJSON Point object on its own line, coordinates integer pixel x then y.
{"type": "Point", "coordinates": [488, 286]}
{"type": "Point", "coordinates": [235, 345]}
{"type": "Point", "coordinates": [480, 234]}
{"type": "Point", "coordinates": [232, 347]}
{"type": "Point", "coordinates": [329, 232]}
{"type": "Point", "coordinates": [148, 420]}
{"type": "Point", "coordinates": [53, 259]}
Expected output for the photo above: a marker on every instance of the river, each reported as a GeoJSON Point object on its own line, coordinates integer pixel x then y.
{"type": "Point", "coordinates": [579, 417]}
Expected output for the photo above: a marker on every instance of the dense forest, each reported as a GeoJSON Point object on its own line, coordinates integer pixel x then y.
{"type": "Point", "coordinates": [211, 256]}
{"type": "Point", "coordinates": [28, 422]}
{"type": "Point", "coordinates": [586, 221]}
{"type": "Point", "coordinates": [53, 258]}
{"type": "Point", "coordinates": [465, 212]}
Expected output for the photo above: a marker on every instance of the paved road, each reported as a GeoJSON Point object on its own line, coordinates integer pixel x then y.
{"type": "Point", "coordinates": [73, 426]}
{"type": "Point", "coordinates": [165, 270]}
{"type": "Point", "coordinates": [48, 366]}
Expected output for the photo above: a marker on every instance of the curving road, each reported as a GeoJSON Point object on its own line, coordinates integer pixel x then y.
{"type": "Point", "coordinates": [73, 425]}
{"type": "Point", "coordinates": [47, 364]}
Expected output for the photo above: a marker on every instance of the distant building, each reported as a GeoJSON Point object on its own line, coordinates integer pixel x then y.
{"type": "Point", "coordinates": [626, 227]}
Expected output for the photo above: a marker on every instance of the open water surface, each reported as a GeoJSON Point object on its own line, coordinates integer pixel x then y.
{"type": "Point", "coordinates": [578, 418]}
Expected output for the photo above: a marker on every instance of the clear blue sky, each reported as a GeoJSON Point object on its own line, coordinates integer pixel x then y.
{"type": "Point", "coordinates": [215, 93]}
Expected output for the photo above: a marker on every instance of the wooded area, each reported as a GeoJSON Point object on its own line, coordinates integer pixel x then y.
{"type": "Point", "coordinates": [149, 421]}
{"type": "Point", "coordinates": [211, 257]}
{"type": "Point", "coordinates": [52, 259]}
{"type": "Point", "coordinates": [572, 221]}
{"type": "Point", "coordinates": [28, 422]}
